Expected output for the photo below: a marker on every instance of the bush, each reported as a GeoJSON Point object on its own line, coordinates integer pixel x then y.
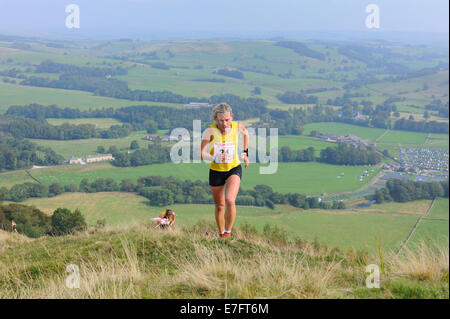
{"type": "Point", "coordinates": [65, 222]}
{"type": "Point", "coordinates": [158, 196]}
{"type": "Point", "coordinates": [56, 189]}
{"type": "Point", "coordinates": [18, 193]}
{"type": "Point", "coordinates": [72, 188]}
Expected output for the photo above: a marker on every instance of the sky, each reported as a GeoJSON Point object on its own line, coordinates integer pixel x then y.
{"type": "Point", "coordinates": [206, 18]}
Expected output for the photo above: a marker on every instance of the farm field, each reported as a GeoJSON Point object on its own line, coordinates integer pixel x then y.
{"type": "Point", "coordinates": [343, 229]}
{"type": "Point", "coordinates": [440, 209]}
{"type": "Point", "coordinates": [420, 117]}
{"type": "Point", "coordinates": [83, 147]}
{"type": "Point", "coordinates": [310, 178]}
{"type": "Point", "coordinates": [438, 83]}
{"type": "Point", "coordinates": [303, 142]}
{"type": "Point", "coordinates": [432, 232]}
{"type": "Point", "coordinates": [15, 94]}
{"type": "Point", "coordinates": [405, 138]}
{"type": "Point", "coordinates": [414, 208]}
{"type": "Point", "coordinates": [439, 141]}
{"type": "Point", "coordinates": [9, 179]}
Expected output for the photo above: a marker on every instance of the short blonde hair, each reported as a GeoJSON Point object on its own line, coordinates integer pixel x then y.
{"type": "Point", "coordinates": [220, 108]}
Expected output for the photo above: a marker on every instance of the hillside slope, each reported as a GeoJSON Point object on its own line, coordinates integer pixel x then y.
{"type": "Point", "coordinates": [140, 262]}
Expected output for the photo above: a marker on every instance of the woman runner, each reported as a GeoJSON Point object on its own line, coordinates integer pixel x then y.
{"type": "Point", "coordinates": [165, 219]}
{"type": "Point", "coordinates": [225, 169]}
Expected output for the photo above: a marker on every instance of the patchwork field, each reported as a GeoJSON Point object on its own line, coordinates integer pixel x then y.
{"type": "Point", "coordinates": [273, 68]}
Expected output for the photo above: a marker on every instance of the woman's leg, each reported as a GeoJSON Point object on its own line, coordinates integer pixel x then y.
{"type": "Point", "coordinates": [231, 190]}
{"type": "Point", "coordinates": [219, 201]}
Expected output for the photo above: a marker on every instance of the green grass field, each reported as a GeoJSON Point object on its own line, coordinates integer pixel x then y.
{"type": "Point", "coordinates": [309, 178]}
{"type": "Point", "coordinates": [432, 232]}
{"type": "Point", "coordinates": [343, 229]}
{"type": "Point", "coordinates": [414, 208]}
{"type": "Point", "coordinates": [407, 88]}
{"type": "Point", "coordinates": [439, 141]}
{"type": "Point", "coordinates": [15, 94]}
{"type": "Point", "coordinates": [79, 148]}
{"type": "Point", "coordinates": [440, 209]}
{"type": "Point", "coordinates": [303, 142]}
{"type": "Point", "coordinates": [404, 137]}
{"type": "Point", "coordinates": [9, 179]}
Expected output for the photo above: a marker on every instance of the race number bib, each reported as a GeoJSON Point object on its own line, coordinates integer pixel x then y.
{"type": "Point", "coordinates": [224, 152]}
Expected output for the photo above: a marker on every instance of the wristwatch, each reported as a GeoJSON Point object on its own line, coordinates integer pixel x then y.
{"type": "Point", "coordinates": [245, 152]}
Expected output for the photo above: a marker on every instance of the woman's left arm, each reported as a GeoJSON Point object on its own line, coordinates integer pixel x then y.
{"type": "Point", "coordinates": [244, 132]}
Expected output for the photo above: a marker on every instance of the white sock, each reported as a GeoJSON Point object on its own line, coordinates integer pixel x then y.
{"type": "Point", "coordinates": [227, 231]}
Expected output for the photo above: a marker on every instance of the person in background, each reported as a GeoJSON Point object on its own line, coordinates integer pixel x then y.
{"type": "Point", "coordinates": [165, 220]}
{"type": "Point", "coordinates": [13, 226]}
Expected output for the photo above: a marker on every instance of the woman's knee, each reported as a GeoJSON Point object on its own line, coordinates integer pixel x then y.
{"type": "Point", "coordinates": [230, 201]}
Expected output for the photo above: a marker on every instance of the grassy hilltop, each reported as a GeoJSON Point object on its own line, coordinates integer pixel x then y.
{"type": "Point", "coordinates": [137, 261]}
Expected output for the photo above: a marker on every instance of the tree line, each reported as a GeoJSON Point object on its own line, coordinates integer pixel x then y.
{"type": "Point", "coordinates": [347, 154]}
{"type": "Point", "coordinates": [230, 73]}
{"type": "Point", "coordinates": [421, 126]}
{"type": "Point", "coordinates": [406, 190]}
{"type": "Point", "coordinates": [290, 97]}
{"type": "Point", "coordinates": [49, 66]}
{"type": "Point", "coordinates": [41, 129]}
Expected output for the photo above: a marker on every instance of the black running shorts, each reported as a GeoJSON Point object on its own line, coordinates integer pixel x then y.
{"type": "Point", "coordinates": [217, 178]}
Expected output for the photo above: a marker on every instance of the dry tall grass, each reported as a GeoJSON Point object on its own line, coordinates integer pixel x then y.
{"type": "Point", "coordinates": [422, 262]}
{"type": "Point", "coordinates": [137, 261]}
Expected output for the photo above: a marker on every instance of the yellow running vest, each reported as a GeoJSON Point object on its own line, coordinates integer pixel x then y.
{"type": "Point", "coordinates": [227, 144]}
{"type": "Point", "coordinates": [163, 214]}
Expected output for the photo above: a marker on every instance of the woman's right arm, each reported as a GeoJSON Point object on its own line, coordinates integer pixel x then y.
{"type": "Point", "coordinates": [205, 141]}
